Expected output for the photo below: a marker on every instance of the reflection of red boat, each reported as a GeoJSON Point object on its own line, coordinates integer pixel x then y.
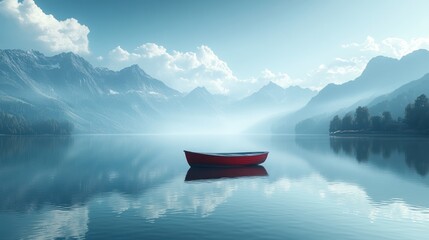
{"type": "Point", "coordinates": [232, 172]}
{"type": "Point", "coordinates": [225, 159]}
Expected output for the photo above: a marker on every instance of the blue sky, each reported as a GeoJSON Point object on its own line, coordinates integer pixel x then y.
{"type": "Point", "coordinates": [230, 47]}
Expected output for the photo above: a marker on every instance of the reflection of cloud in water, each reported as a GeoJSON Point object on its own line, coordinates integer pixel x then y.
{"type": "Point", "coordinates": [356, 201]}
{"type": "Point", "coordinates": [175, 196]}
{"type": "Point", "coordinates": [67, 224]}
{"type": "Point", "coordinates": [282, 184]}
{"type": "Point", "coordinates": [202, 198]}
{"type": "Point", "coordinates": [352, 199]}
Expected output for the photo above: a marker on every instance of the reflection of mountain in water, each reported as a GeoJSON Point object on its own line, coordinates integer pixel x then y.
{"type": "Point", "coordinates": [40, 171]}
{"type": "Point", "coordinates": [415, 151]}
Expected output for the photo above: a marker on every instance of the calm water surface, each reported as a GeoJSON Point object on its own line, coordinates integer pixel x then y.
{"type": "Point", "coordinates": [129, 187]}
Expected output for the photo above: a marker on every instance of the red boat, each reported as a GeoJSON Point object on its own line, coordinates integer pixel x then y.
{"type": "Point", "coordinates": [237, 159]}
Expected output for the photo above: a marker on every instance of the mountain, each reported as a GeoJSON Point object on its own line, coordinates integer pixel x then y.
{"type": "Point", "coordinates": [66, 86]}
{"type": "Point", "coordinates": [67, 73]}
{"type": "Point", "coordinates": [272, 99]}
{"type": "Point", "coordinates": [200, 95]}
{"type": "Point", "coordinates": [133, 78]}
{"type": "Point", "coordinates": [396, 101]}
{"type": "Point", "coordinates": [200, 100]}
{"type": "Point", "coordinates": [381, 76]}
{"type": "Point", "coordinates": [31, 74]}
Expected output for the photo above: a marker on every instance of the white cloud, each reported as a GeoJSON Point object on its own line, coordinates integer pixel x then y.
{"type": "Point", "coordinates": [151, 50]}
{"type": "Point", "coordinates": [400, 47]}
{"type": "Point", "coordinates": [45, 30]}
{"type": "Point", "coordinates": [119, 54]}
{"type": "Point", "coordinates": [344, 69]}
{"type": "Point", "coordinates": [338, 71]}
{"type": "Point", "coordinates": [397, 46]}
{"type": "Point", "coordinates": [341, 70]}
{"type": "Point", "coordinates": [370, 45]}
{"type": "Point", "coordinates": [180, 70]}
{"type": "Point", "coordinates": [391, 46]}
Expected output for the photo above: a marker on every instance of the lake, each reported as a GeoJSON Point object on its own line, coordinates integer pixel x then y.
{"type": "Point", "coordinates": [140, 187]}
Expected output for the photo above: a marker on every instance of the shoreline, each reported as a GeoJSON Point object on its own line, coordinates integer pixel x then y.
{"type": "Point", "coordinates": [379, 134]}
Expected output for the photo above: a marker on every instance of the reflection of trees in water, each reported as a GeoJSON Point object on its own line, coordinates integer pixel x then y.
{"type": "Point", "coordinates": [23, 149]}
{"type": "Point", "coordinates": [416, 156]}
{"type": "Point", "coordinates": [415, 151]}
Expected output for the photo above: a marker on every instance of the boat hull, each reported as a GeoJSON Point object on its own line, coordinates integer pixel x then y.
{"type": "Point", "coordinates": [196, 159]}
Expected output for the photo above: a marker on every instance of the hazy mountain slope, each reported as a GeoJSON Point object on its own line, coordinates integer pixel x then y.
{"type": "Point", "coordinates": [381, 75]}
{"type": "Point", "coordinates": [273, 99]}
{"type": "Point", "coordinates": [396, 101]}
{"type": "Point", "coordinates": [268, 105]}
{"type": "Point", "coordinates": [200, 100]}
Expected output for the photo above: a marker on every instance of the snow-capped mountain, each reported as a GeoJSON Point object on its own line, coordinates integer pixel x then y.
{"type": "Point", "coordinates": [66, 86]}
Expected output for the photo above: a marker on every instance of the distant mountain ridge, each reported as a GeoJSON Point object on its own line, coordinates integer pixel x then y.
{"type": "Point", "coordinates": [274, 99]}
{"type": "Point", "coordinates": [381, 76]}
{"type": "Point", "coordinates": [67, 87]}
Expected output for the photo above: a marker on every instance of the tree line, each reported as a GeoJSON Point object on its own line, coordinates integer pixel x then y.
{"type": "Point", "coordinates": [416, 118]}
{"type": "Point", "coordinates": [16, 125]}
